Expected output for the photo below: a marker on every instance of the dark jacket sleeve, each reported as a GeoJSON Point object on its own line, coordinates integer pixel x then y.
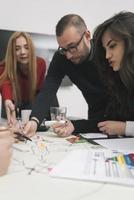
{"type": "Point", "coordinates": [47, 95]}
{"type": "Point", "coordinates": [85, 126]}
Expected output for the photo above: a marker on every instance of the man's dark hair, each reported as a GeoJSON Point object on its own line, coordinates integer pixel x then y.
{"type": "Point", "coordinates": [68, 21]}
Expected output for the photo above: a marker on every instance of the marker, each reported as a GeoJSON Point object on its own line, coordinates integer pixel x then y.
{"type": "Point", "coordinates": [50, 123]}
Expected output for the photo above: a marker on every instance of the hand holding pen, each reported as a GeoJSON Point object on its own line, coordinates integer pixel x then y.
{"type": "Point", "coordinates": [20, 134]}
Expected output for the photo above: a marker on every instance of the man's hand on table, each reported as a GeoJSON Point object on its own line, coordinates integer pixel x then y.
{"type": "Point", "coordinates": [63, 130]}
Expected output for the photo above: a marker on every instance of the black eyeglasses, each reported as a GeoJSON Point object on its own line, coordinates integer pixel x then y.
{"type": "Point", "coordinates": [72, 49]}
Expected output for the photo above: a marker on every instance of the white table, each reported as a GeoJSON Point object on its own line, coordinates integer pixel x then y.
{"type": "Point", "coordinates": [18, 184]}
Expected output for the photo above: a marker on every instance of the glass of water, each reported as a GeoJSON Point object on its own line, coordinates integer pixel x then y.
{"type": "Point", "coordinates": [58, 113]}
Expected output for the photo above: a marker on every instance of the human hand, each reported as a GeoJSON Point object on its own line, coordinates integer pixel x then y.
{"type": "Point", "coordinates": [6, 132]}
{"type": "Point", "coordinates": [10, 111]}
{"type": "Point", "coordinates": [5, 153]}
{"type": "Point", "coordinates": [30, 128]}
{"type": "Point", "coordinates": [112, 127]}
{"type": "Point", "coordinates": [16, 133]}
{"type": "Point", "coordinates": [63, 130]}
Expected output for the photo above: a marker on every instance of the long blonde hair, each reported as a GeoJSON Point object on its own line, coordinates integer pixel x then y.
{"type": "Point", "coordinates": [10, 71]}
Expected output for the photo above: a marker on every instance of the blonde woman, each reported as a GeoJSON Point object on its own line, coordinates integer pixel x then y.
{"type": "Point", "coordinates": [22, 74]}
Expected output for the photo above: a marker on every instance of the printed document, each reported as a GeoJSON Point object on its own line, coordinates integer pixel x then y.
{"type": "Point", "coordinates": [95, 165]}
{"type": "Point", "coordinates": [122, 144]}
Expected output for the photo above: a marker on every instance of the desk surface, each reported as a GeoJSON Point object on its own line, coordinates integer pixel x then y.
{"type": "Point", "coordinates": [22, 182]}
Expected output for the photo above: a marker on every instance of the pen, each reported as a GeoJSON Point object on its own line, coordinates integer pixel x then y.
{"type": "Point", "coordinates": [20, 135]}
{"type": "Point", "coordinates": [27, 138]}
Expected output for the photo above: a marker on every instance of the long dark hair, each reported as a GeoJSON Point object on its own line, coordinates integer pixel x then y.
{"type": "Point", "coordinates": [120, 84]}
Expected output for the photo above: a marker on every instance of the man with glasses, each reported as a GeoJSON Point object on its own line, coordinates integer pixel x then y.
{"type": "Point", "coordinates": [73, 58]}
{"type": "Point", "coordinates": [72, 48]}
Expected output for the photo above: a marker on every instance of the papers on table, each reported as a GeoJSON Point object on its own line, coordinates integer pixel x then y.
{"type": "Point", "coordinates": [97, 165]}
{"type": "Point", "coordinates": [122, 145]}
{"type": "Point", "coordinates": [94, 135]}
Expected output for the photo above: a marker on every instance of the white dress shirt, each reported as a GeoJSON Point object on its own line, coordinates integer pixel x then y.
{"type": "Point", "coordinates": [129, 128]}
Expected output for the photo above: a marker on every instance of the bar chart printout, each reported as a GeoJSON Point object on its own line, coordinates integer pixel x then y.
{"type": "Point", "coordinates": [97, 165]}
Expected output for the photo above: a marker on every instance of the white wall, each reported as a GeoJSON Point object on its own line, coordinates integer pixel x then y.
{"type": "Point", "coordinates": [41, 16]}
